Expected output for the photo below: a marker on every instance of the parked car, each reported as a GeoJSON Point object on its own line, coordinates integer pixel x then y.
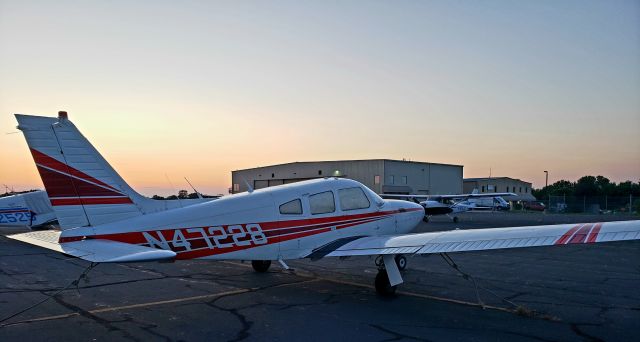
{"type": "Point", "coordinates": [537, 206]}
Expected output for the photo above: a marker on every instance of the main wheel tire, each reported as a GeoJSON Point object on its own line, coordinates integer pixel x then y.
{"type": "Point", "coordinates": [426, 219]}
{"type": "Point", "coordinates": [261, 265]}
{"type": "Point", "coordinates": [455, 219]}
{"type": "Point", "coordinates": [383, 287]}
{"type": "Point", "coordinates": [401, 261]}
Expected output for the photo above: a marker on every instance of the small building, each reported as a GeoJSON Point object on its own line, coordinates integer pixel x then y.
{"type": "Point", "coordinates": [384, 176]}
{"type": "Point", "coordinates": [501, 184]}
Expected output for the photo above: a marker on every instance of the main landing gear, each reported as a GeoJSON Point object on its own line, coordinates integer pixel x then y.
{"type": "Point", "coordinates": [388, 277]}
{"type": "Point", "coordinates": [261, 266]}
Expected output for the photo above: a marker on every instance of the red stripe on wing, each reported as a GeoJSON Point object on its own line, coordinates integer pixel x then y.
{"type": "Point", "coordinates": [581, 235]}
{"type": "Point", "coordinates": [563, 239]}
{"type": "Point", "coordinates": [594, 233]}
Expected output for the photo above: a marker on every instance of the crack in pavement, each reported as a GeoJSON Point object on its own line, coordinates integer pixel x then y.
{"type": "Point", "coordinates": [100, 321]}
{"type": "Point", "coordinates": [244, 322]}
{"type": "Point", "coordinates": [575, 328]}
{"type": "Point", "coordinates": [396, 335]}
{"type": "Point", "coordinates": [458, 328]}
{"type": "Point", "coordinates": [156, 303]}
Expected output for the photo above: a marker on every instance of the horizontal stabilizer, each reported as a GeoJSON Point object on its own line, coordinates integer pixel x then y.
{"type": "Point", "coordinates": [94, 250]}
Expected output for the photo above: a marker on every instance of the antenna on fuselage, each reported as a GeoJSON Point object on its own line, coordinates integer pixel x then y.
{"type": "Point", "coordinates": [249, 187]}
{"type": "Point", "coordinates": [194, 189]}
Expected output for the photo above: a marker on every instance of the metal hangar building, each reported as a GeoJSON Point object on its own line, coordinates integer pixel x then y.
{"type": "Point", "coordinates": [384, 176]}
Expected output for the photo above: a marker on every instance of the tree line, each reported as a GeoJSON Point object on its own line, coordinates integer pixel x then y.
{"type": "Point", "coordinates": [588, 186]}
{"type": "Point", "coordinates": [182, 195]}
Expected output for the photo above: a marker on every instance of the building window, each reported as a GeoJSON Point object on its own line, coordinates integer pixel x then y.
{"type": "Point", "coordinates": [526, 189]}
{"type": "Point", "coordinates": [273, 175]}
{"type": "Point", "coordinates": [376, 179]}
{"type": "Point", "coordinates": [319, 172]}
{"type": "Point", "coordinates": [496, 188]}
{"type": "Point", "coordinates": [483, 188]}
{"type": "Point", "coordinates": [352, 199]}
{"type": "Point", "coordinates": [390, 179]}
{"type": "Point", "coordinates": [322, 203]}
{"type": "Point", "coordinates": [291, 208]}
{"type": "Point", "coordinates": [403, 180]}
{"type": "Point", "coordinates": [520, 189]}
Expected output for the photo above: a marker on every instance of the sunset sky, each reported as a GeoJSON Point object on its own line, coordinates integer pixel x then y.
{"type": "Point", "coordinates": [168, 89]}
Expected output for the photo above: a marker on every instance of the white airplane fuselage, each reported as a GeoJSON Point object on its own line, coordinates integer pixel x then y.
{"type": "Point", "coordinates": [31, 209]}
{"type": "Point", "coordinates": [250, 226]}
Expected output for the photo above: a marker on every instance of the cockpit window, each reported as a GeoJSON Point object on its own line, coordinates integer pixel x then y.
{"type": "Point", "coordinates": [322, 203]}
{"type": "Point", "coordinates": [374, 197]}
{"type": "Point", "coordinates": [291, 208]}
{"type": "Point", "coordinates": [352, 199]}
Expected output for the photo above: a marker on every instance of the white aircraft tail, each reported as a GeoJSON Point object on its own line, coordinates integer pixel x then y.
{"type": "Point", "coordinates": [83, 188]}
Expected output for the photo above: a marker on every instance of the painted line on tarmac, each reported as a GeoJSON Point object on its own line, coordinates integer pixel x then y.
{"type": "Point", "coordinates": [148, 304]}
{"type": "Point", "coordinates": [307, 274]}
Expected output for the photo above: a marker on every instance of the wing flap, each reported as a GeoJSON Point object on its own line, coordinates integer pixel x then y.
{"type": "Point", "coordinates": [94, 250]}
{"type": "Point", "coordinates": [493, 238]}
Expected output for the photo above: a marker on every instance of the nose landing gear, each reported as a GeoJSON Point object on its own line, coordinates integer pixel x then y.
{"type": "Point", "coordinates": [261, 266]}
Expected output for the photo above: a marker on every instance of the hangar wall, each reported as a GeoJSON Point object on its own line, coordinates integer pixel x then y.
{"type": "Point", "coordinates": [381, 175]}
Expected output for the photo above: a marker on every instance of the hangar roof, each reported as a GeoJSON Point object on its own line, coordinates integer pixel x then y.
{"type": "Point", "coordinates": [349, 160]}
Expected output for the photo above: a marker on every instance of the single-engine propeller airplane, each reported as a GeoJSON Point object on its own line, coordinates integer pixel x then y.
{"type": "Point", "coordinates": [435, 204]}
{"type": "Point", "coordinates": [27, 210]}
{"type": "Point", "coordinates": [103, 219]}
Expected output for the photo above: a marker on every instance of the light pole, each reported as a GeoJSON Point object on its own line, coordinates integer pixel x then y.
{"type": "Point", "coordinates": [546, 183]}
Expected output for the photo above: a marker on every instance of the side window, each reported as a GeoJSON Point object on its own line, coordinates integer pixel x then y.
{"type": "Point", "coordinates": [353, 198]}
{"type": "Point", "coordinates": [322, 203]}
{"type": "Point", "coordinates": [291, 208]}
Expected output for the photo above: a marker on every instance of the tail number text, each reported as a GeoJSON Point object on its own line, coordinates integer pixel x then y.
{"type": "Point", "coordinates": [188, 239]}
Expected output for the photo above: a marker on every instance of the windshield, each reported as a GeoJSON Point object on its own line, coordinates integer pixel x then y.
{"type": "Point", "coordinates": [373, 196]}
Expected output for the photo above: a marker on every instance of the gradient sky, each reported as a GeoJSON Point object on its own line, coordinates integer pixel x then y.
{"type": "Point", "coordinates": [167, 89]}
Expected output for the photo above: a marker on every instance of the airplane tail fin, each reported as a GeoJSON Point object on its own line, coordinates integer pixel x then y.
{"type": "Point", "coordinates": [83, 188]}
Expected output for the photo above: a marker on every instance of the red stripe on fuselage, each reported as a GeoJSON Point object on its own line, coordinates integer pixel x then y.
{"type": "Point", "coordinates": [313, 227]}
{"type": "Point", "coordinates": [12, 211]}
{"type": "Point", "coordinates": [138, 238]}
{"type": "Point", "coordinates": [594, 233]}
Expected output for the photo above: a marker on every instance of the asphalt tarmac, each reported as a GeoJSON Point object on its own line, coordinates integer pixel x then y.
{"type": "Point", "coordinates": [559, 293]}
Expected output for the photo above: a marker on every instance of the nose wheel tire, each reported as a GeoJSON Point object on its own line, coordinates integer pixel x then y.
{"type": "Point", "coordinates": [261, 266]}
{"type": "Point", "coordinates": [383, 287]}
{"type": "Point", "coordinates": [401, 261]}
{"type": "Point", "coordinates": [426, 219]}
{"type": "Point", "coordinates": [455, 219]}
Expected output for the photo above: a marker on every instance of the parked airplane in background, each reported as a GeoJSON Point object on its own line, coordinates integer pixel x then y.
{"type": "Point", "coordinates": [453, 204]}
{"type": "Point", "coordinates": [27, 210]}
{"type": "Point", "coordinates": [104, 220]}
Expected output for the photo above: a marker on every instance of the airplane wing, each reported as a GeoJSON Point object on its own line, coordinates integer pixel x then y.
{"type": "Point", "coordinates": [94, 250]}
{"type": "Point", "coordinates": [488, 194]}
{"type": "Point", "coordinates": [438, 197]}
{"type": "Point", "coordinates": [486, 239]}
